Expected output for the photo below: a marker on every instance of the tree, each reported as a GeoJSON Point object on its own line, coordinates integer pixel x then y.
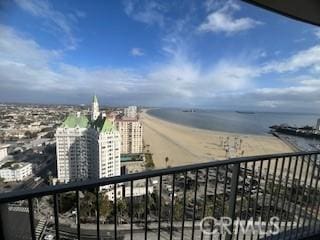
{"type": "Point", "coordinates": [67, 202]}
{"type": "Point", "coordinates": [87, 205]}
{"type": "Point", "coordinates": [21, 118]}
{"type": "Point", "coordinates": [122, 207]}
{"type": "Point", "coordinates": [153, 201]}
{"type": "Point", "coordinates": [167, 160]}
{"type": "Point", "coordinates": [149, 161]}
{"type": "Point", "coordinates": [28, 134]}
{"type": "Point", "coordinates": [138, 207]}
{"type": "Point", "coordinates": [105, 205]}
{"type": "Point", "coordinates": [178, 210]}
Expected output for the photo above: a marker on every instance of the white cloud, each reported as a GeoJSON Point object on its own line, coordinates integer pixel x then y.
{"type": "Point", "coordinates": [229, 75]}
{"type": "Point", "coordinates": [317, 33]}
{"type": "Point", "coordinates": [302, 59]}
{"type": "Point", "coordinates": [223, 20]}
{"type": "Point", "coordinates": [287, 90]}
{"type": "Point", "coordinates": [24, 64]}
{"type": "Point", "coordinates": [268, 104]}
{"type": "Point", "coordinates": [16, 48]}
{"type": "Point", "coordinates": [149, 12]}
{"type": "Point", "coordinates": [29, 69]}
{"type": "Point", "coordinates": [211, 5]}
{"type": "Point", "coordinates": [137, 52]}
{"type": "Point", "coordinates": [187, 80]}
{"type": "Point", "coordinates": [32, 68]}
{"type": "Point", "coordinates": [311, 82]}
{"type": "Point", "coordinates": [294, 98]}
{"type": "Point", "coordinates": [58, 21]}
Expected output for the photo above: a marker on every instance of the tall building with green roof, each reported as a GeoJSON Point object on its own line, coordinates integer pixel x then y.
{"type": "Point", "coordinates": [88, 147]}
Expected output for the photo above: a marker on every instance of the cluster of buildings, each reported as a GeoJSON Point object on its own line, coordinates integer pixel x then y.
{"type": "Point", "coordinates": [20, 121]}
{"type": "Point", "coordinates": [90, 146]}
{"type": "Point", "coordinates": [90, 143]}
{"type": "Point", "coordinates": [29, 128]}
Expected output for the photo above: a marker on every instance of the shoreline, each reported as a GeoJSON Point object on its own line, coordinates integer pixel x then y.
{"type": "Point", "coordinates": [203, 129]}
{"type": "Point", "coordinates": [186, 145]}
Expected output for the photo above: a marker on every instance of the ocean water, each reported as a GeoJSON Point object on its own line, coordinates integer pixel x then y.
{"type": "Point", "coordinates": [232, 121]}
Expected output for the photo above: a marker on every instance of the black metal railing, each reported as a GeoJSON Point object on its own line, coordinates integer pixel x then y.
{"type": "Point", "coordinates": [261, 197]}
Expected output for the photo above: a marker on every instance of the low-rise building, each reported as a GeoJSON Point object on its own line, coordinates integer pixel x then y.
{"type": "Point", "coordinates": [139, 188]}
{"type": "Point", "coordinates": [132, 163]}
{"type": "Point", "coordinates": [13, 171]}
{"type": "Point", "coordinates": [124, 189]}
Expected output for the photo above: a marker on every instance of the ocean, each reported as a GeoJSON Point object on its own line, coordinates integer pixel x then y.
{"type": "Point", "coordinates": [234, 122]}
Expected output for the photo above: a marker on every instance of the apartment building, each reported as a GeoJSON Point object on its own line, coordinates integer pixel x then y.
{"type": "Point", "coordinates": [131, 112]}
{"type": "Point", "coordinates": [12, 171]}
{"type": "Point", "coordinates": [87, 147]}
{"type": "Point", "coordinates": [131, 132]}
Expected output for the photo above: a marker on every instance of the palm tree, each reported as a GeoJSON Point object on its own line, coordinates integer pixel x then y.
{"type": "Point", "coordinates": [167, 160]}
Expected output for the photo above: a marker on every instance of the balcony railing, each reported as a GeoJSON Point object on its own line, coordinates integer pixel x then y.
{"type": "Point", "coordinates": [261, 197]}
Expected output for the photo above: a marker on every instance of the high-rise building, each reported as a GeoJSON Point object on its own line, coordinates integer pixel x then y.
{"type": "Point", "coordinates": [131, 132]}
{"type": "Point", "coordinates": [109, 148]}
{"type": "Point", "coordinates": [87, 148]}
{"type": "Point", "coordinates": [75, 150]}
{"type": "Point", "coordinates": [318, 125]}
{"type": "Point", "coordinates": [95, 108]}
{"type": "Point", "coordinates": [131, 112]}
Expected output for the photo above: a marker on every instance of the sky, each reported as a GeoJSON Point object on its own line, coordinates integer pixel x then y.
{"type": "Point", "coordinates": [208, 54]}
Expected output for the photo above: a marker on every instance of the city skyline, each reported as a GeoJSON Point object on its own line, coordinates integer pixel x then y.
{"type": "Point", "coordinates": [217, 54]}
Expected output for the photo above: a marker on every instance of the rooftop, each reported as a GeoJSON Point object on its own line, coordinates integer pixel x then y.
{"type": "Point", "coordinates": [4, 146]}
{"type": "Point", "coordinates": [102, 124]}
{"type": "Point", "coordinates": [136, 157]}
{"type": "Point", "coordinates": [12, 165]}
{"type": "Point", "coordinates": [127, 119]}
{"type": "Point", "coordinates": [73, 121]}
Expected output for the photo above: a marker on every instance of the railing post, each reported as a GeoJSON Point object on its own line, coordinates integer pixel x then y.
{"type": "Point", "coordinates": [31, 218]}
{"type": "Point", "coordinates": [3, 208]}
{"type": "Point", "coordinates": [233, 198]}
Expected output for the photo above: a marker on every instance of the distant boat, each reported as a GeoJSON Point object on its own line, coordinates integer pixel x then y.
{"type": "Point", "coordinates": [189, 110]}
{"type": "Point", "coordinates": [245, 112]}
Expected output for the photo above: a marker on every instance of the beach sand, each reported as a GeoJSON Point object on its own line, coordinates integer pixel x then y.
{"type": "Point", "coordinates": [185, 145]}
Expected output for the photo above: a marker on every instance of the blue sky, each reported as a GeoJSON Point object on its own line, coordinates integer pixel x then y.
{"type": "Point", "coordinates": [211, 54]}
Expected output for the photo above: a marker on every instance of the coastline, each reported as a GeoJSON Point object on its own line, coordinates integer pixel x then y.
{"type": "Point", "coordinates": [185, 145]}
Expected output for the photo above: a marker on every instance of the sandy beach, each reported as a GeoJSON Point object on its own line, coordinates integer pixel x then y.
{"type": "Point", "coordinates": [185, 145]}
